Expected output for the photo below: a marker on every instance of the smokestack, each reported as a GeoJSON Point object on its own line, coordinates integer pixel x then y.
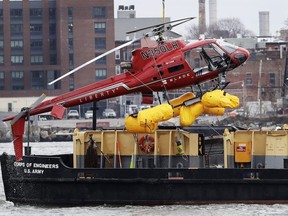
{"type": "Point", "coordinates": [212, 12]}
{"type": "Point", "coordinates": [202, 17]}
{"type": "Point", "coordinates": [264, 23]}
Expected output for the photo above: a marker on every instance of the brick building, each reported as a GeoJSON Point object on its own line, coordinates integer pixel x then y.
{"type": "Point", "coordinates": [263, 77]}
{"type": "Point", "coordinates": [43, 39]}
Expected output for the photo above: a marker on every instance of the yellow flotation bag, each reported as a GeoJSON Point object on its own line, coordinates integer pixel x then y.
{"type": "Point", "coordinates": [133, 126]}
{"type": "Point", "coordinates": [155, 114]}
{"type": "Point", "coordinates": [177, 103]}
{"type": "Point", "coordinates": [189, 114]}
{"type": "Point", "coordinates": [219, 98]}
{"type": "Point", "coordinates": [214, 111]}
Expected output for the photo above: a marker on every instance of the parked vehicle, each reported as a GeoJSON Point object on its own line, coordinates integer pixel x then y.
{"type": "Point", "coordinates": [237, 112]}
{"type": "Point", "coordinates": [73, 114]}
{"type": "Point", "coordinates": [109, 113]}
{"type": "Point", "coordinates": [131, 109]}
{"type": "Point", "coordinates": [143, 107]}
{"type": "Point", "coordinates": [89, 114]}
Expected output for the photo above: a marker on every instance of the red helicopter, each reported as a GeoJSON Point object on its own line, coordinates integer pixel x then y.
{"type": "Point", "coordinates": [166, 66]}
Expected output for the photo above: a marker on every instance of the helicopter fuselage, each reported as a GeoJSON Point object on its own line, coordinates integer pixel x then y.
{"type": "Point", "coordinates": [153, 69]}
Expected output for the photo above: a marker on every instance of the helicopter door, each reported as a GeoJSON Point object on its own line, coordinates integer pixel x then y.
{"type": "Point", "coordinates": [208, 60]}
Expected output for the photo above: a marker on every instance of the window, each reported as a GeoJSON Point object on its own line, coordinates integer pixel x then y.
{"type": "Point", "coordinates": [16, 29]}
{"type": "Point", "coordinates": [36, 59]}
{"type": "Point", "coordinates": [52, 75]}
{"type": "Point", "coordinates": [100, 43]}
{"type": "Point", "coordinates": [36, 44]}
{"type": "Point", "coordinates": [70, 27]}
{"type": "Point", "coordinates": [16, 13]}
{"type": "Point", "coordinates": [2, 80]}
{"type": "Point", "coordinates": [101, 74]}
{"type": "Point", "coordinates": [16, 44]}
{"type": "Point", "coordinates": [117, 54]}
{"type": "Point", "coordinates": [17, 80]}
{"type": "Point", "coordinates": [101, 60]}
{"type": "Point", "coordinates": [37, 80]}
{"type": "Point", "coordinates": [71, 82]}
{"type": "Point", "coordinates": [99, 12]}
{"type": "Point", "coordinates": [17, 59]}
{"type": "Point", "coordinates": [1, 59]}
{"type": "Point", "coordinates": [175, 68]}
{"type": "Point", "coordinates": [36, 28]}
{"type": "Point", "coordinates": [117, 69]}
{"type": "Point", "coordinates": [1, 44]}
{"type": "Point", "coordinates": [272, 79]}
{"type": "Point", "coordinates": [125, 55]}
{"type": "Point", "coordinates": [100, 28]}
{"type": "Point", "coordinates": [70, 44]}
{"type": "Point", "coordinates": [71, 61]}
{"type": "Point", "coordinates": [52, 13]}
{"type": "Point", "coordinates": [52, 44]}
{"type": "Point", "coordinates": [70, 13]}
{"type": "Point", "coordinates": [249, 79]}
{"type": "Point", "coordinates": [196, 62]}
{"type": "Point", "coordinates": [53, 59]}
{"type": "Point", "coordinates": [35, 12]}
{"type": "Point", "coordinates": [52, 28]}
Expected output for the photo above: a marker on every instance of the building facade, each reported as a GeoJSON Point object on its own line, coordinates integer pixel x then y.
{"type": "Point", "coordinates": [41, 40]}
{"type": "Point", "coordinates": [263, 78]}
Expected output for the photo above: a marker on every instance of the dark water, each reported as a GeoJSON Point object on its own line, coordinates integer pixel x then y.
{"type": "Point", "coordinates": [8, 208]}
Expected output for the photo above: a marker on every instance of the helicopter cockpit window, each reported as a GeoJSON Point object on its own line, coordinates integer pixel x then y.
{"type": "Point", "coordinates": [208, 57]}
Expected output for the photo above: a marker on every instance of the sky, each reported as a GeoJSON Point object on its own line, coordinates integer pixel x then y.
{"type": "Point", "coordinates": [246, 10]}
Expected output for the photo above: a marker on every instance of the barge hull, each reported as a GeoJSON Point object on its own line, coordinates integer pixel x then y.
{"type": "Point", "coordinates": [43, 180]}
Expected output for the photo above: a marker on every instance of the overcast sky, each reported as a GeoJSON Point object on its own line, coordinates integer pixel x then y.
{"type": "Point", "coordinates": [246, 10]}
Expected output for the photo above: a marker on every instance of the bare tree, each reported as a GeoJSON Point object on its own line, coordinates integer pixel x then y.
{"type": "Point", "coordinates": [286, 23]}
{"type": "Point", "coordinates": [225, 28]}
{"type": "Point", "coordinates": [192, 32]}
{"type": "Point", "coordinates": [233, 26]}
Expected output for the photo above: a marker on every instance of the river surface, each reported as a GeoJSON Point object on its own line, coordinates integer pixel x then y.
{"type": "Point", "coordinates": [8, 208]}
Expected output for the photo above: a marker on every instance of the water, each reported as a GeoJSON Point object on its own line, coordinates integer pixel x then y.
{"type": "Point", "coordinates": [8, 208]}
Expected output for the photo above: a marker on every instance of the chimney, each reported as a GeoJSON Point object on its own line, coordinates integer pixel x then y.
{"type": "Point", "coordinates": [202, 17]}
{"type": "Point", "coordinates": [264, 23]}
{"type": "Point", "coordinates": [212, 12]}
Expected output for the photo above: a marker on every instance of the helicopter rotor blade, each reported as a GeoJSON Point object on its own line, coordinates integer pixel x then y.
{"type": "Point", "coordinates": [38, 101]}
{"type": "Point", "coordinates": [181, 22]}
{"type": "Point", "coordinates": [95, 59]}
{"type": "Point", "coordinates": [27, 109]}
{"type": "Point", "coordinates": [17, 117]}
{"type": "Point", "coordinates": [163, 25]}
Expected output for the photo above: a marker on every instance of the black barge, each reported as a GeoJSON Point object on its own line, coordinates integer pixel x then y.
{"type": "Point", "coordinates": [168, 167]}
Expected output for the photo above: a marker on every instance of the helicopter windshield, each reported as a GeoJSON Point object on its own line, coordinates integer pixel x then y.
{"type": "Point", "coordinates": [229, 48]}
